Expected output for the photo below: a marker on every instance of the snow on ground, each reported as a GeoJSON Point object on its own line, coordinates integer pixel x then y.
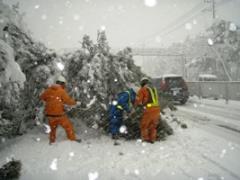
{"type": "Point", "coordinates": [193, 153]}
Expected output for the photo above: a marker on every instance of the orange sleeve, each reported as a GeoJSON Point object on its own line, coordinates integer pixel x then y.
{"type": "Point", "coordinates": [142, 97]}
{"type": "Point", "coordinates": [67, 99]}
{"type": "Point", "coordinates": [43, 96]}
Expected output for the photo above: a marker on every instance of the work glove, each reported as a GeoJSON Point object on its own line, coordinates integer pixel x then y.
{"type": "Point", "coordinates": [78, 103]}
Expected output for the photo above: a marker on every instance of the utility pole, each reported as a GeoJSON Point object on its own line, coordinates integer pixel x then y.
{"type": "Point", "coordinates": [183, 59]}
{"type": "Point", "coordinates": [213, 7]}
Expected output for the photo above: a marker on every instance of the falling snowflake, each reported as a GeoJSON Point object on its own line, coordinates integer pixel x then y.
{"type": "Point", "coordinates": [60, 66]}
{"type": "Point", "coordinates": [200, 178]}
{"type": "Point", "coordinates": [114, 103]}
{"type": "Point", "coordinates": [88, 81]}
{"type": "Point", "coordinates": [120, 8]}
{"type": "Point", "coordinates": [47, 128]}
{"type": "Point", "coordinates": [1, 21]}
{"type": "Point", "coordinates": [143, 151]}
{"type": "Point", "coordinates": [60, 22]}
{"type": "Point", "coordinates": [38, 123]}
{"type": "Point", "coordinates": [195, 105]}
{"type": "Point", "coordinates": [136, 171]}
{"type": "Point", "coordinates": [38, 139]}
{"type": "Point", "coordinates": [150, 3]}
{"type": "Point", "coordinates": [161, 148]}
{"type": "Point", "coordinates": [36, 63]}
{"type": "Point", "coordinates": [44, 17]}
{"type": "Point", "coordinates": [86, 131]}
{"type": "Point", "coordinates": [95, 126]}
{"type": "Point", "coordinates": [194, 21]}
{"type": "Point", "coordinates": [92, 175]}
{"type": "Point", "coordinates": [123, 129]}
{"type": "Point", "coordinates": [68, 4]}
{"type": "Point", "coordinates": [49, 42]}
{"type": "Point", "coordinates": [111, 8]}
{"type": "Point", "coordinates": [3, 140]}
{"type": "Point", "coordinates": [103, 28]}
{"type": "Point", "coordinates": [232, 27]}
{"type": "Point", "coordinates": [173, 173]}
{"type": "Point", "coordinates": [158, 39]}
{"type": "Point", "coordinates": [71, 154]}
{"type": "Point", "coordinates": [144, 144]}
{"type": "Point", "coordinates": [37, 6]}
{"type": "Point", "coordinates": [53, 165]}
{"type": "Point", "coordinates": [80, 28]}
{"type": "Point", "coordinates": [87, 51]}
{"type": "Point", "coordinates": [188, 26]}
{"type": "Point", "coordinates": [224, 151]}
{"type": "Point", "coordinates": [76, 17]}
{"type": "Point", "coordinates": [115, 80]}
{"type": "Point", "coordinates": [210, 41]}
{"type": "Point", "coordinates": [8, 159]}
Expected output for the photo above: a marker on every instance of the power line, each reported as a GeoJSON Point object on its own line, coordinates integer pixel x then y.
{"type": "Point", "coordinates": [197, 13]}
{"type": "Point", "coordinates": [178, 20]}
{"type": "Point", "coordinates": [194, 12]}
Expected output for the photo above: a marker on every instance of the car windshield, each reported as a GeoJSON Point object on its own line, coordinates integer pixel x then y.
{"type": "Point", "coordinates": [174, 82]}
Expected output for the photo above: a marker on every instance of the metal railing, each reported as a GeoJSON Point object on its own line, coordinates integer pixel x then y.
{"type": "Point", "coordinates": [228, 90]}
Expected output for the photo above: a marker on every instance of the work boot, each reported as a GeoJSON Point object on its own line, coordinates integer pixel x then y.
{"type": "Point", "coordinates": [151, 142]}
{"type": "Point", "coordinates": [148, 141]}
{"type": "Point", "coordinates": [51, 142]}
{"type": "Point", "coordinates": [78, 140]}
{"type": "Point", "coordinates": [115, 136]}
{"type": "Point", "coordinates": [116, 143]}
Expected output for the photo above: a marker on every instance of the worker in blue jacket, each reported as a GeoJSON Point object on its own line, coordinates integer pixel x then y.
{"type": "Point", "coordinates": [124, 102]}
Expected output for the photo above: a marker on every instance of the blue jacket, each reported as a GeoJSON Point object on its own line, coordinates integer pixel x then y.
{"type": "Point", "coordinates": [123, 103]}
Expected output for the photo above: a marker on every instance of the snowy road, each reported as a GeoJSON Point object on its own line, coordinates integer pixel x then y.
{"type": "Point", "coordinates": [215, 116]}
{"type": "Point", "coordinates": [208, 149]}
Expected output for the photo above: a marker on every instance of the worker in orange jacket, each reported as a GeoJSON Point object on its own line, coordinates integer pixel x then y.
{"type": "Point", "coordinates": [56, 97]}
{"type": "Point", "coordinates": [148, 98]}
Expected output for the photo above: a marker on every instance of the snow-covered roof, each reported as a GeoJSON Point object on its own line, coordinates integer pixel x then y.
{"type": "Point", "coordinates": [207, 76]}
{"type": "Point", "coordinates": [171, 75]}
{"type": "Point", "coordinates": [167, 76]}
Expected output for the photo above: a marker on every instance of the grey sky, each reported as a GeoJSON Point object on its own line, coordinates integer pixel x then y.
{"type": "Point", "coordinates": [62, 23]}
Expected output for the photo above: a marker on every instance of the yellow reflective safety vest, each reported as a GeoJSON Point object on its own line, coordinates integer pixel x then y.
{"type": "Point", "coordinates": [154, 96]}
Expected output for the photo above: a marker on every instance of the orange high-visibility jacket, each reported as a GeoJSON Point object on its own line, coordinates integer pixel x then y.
{"type": "Point", "coordinates": [144, 97]}
{"type": "Point", "coordinates": [55, 98]}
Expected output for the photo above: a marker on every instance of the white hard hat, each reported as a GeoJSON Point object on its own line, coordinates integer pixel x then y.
{"type": "Point", "coordinates": [144, 78]}
{"type": "Point", "coordinates": [61, 79]}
